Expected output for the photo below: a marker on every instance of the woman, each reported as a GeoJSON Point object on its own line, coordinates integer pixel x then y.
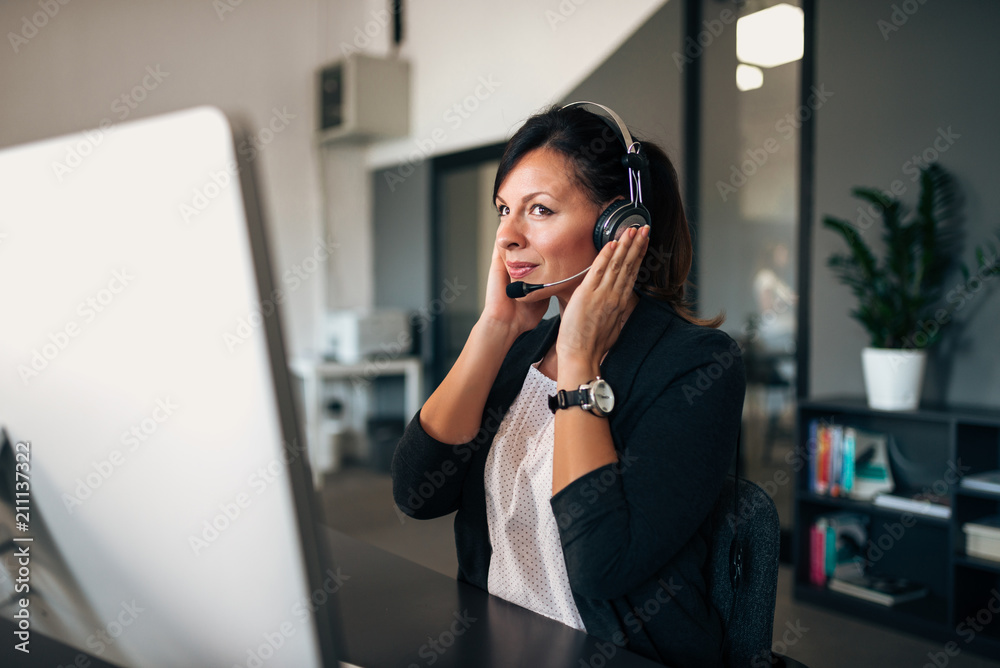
{"type": "Point", "coordinates": [597, 520]}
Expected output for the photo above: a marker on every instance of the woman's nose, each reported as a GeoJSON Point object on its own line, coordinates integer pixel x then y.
{"type": "Point", "coordinates": [509, 234]}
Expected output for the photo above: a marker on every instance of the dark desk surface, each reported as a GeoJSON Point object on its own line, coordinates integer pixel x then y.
{"type": "Point", "coordinates": [391, 609]}
{"type": "Point", "coordinates": [397, 614]}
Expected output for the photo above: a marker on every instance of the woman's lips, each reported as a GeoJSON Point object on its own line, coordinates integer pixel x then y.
{"type": "Point", "coordinates": [519, 270]}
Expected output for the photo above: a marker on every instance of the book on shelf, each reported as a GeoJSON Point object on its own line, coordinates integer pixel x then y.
{"type": "Point", "coordinates": [988, 481]}
{"type": "Point", "coordinates": [817, 552]}
{"type": "Point", "coordinates": [982, 538]}
{"type": "Point", "coordinates": [847, 462]}
{"type": "Point", "coordinates": [836, 546]}
{"type": "Point", "coordinates": [883, 590]}
{"type": "Point", "coordinates": [920, 503]}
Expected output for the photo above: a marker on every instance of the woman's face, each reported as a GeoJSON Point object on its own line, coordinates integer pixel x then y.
{"type": "Point", "coordinates": [546, 224]}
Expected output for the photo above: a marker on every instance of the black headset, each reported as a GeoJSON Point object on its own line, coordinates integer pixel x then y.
{"type": "Point", "coordinates": [621, 214]}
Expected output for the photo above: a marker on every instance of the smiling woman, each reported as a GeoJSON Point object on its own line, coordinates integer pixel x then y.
{"type": "Point", "coordinates": [582, 465]}
{"type": "Point", "coordinates": [556, 213]}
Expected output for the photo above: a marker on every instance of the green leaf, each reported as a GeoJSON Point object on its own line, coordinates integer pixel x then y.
{"type": "Point", "coordinates": [897, 293]}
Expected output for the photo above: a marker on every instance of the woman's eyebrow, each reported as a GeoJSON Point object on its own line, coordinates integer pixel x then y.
{"type": "Point", "coordinates": [527, 197]}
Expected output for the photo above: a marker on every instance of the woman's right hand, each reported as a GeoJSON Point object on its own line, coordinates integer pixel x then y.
{"type": "Point", "coordinates": [513, 316]}
{"type": "Point", "coordinates": [453, 412]}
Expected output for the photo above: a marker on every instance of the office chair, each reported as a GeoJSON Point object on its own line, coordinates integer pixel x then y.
{"type": "Point", "coordinates": [748, 607]}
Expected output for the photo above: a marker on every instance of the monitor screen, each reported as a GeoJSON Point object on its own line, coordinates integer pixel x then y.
{"type": "Point", "coordinates": [156, 508]}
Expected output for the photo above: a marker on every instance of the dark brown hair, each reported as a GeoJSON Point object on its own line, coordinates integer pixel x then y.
{"type": "Point", "coordinates": [595, 149]}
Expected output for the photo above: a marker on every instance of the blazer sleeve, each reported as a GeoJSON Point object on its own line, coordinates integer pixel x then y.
{"type": "Point", "coordinates": [427, 475]}
{"type": "Point", "coordinates": [622, 522]}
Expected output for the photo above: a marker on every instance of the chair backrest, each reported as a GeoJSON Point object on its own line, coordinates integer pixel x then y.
{"type": "Point", "coordinates": [749, 611]}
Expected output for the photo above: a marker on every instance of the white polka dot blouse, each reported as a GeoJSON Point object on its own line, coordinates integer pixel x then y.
{"type": "Point", "coordinates": [527, 566]}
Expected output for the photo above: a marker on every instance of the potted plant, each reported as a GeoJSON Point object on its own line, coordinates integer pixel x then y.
{"type": "Point", "coordinates": [900, 295]}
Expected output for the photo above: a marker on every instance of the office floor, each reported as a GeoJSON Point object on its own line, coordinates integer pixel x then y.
{"type": "Point", "coordinates": [359, 502]}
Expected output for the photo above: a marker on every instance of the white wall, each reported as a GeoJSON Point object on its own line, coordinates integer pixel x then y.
{"type": "Point", "coordinates": [70, 74]}
{"type": "Point", "coordinates": [255, 59]}
{"type": "Point", "coordinates": [516, 56]}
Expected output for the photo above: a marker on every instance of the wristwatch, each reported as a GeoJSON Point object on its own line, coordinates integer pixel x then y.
{"type": "Point", "coordinates": [595, 396]}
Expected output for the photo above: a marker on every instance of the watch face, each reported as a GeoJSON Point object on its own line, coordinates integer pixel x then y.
{"type": "Point", "coordinates": [603, 396]}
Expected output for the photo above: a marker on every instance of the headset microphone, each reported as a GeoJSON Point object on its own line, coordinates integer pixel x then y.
{"type": "Point", "coordinates": [518, 289]}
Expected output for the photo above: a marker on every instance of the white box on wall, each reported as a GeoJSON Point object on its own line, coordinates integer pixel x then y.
{"type": "Point", "coordinates": [364, 98]}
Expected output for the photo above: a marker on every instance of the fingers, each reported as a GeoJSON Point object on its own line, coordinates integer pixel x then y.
{"type": "Point", "coordinates": [617, 265]}
{"type": "Point", "coordinates": [627, 270]}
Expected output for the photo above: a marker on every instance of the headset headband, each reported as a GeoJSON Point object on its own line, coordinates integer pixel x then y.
{"type": "Point", "coordinates": [615, 117]}
{"type": "Point", "coordinates": [634, 161]}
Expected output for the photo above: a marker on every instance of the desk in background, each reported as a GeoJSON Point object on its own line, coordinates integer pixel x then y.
{"type": "Point", "coordinates": [321, 430]}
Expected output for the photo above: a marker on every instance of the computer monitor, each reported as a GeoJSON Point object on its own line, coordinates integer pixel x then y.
{"type": "Point", "coordinates": [154, 477]}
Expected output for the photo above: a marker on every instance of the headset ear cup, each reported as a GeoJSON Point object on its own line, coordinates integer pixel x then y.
{"type": "Point", "coordinates": [614, 220]}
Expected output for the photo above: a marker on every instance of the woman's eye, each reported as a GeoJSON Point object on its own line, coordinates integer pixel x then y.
{"type": "Point", "coordinates": [503, 210]}
{"type": "Point", "coordinates": [540, 210]}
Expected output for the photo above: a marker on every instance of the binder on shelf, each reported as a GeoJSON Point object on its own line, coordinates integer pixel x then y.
{"type": "Point", "coordinates": [887, 591]}
{"type": "Point", "coordinates": [982, 538]}
{"type": "Point", "coordinates": [988, 481]}
{"type": "Point", "coordinates": [921, 503]}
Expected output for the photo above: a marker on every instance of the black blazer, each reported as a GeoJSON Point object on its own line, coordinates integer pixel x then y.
{"type": "Point", "coordinates": [635, 534]}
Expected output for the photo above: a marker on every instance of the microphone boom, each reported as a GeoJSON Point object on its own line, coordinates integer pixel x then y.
{"type": "Point", "coordinates": [519, 289]}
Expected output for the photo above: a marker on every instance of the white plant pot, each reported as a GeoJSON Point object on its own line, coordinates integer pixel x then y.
{"type": "Point", "coordinates": [893, 378]}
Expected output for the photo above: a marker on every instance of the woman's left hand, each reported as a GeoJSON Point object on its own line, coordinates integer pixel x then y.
{"type": "Point", "coordinates": [594, 315]}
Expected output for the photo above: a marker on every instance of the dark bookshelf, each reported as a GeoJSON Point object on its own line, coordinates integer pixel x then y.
{"type": "Point", "coordinates": [840, 504]}
{"type": "Point", "coordinates": [931, 550]}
